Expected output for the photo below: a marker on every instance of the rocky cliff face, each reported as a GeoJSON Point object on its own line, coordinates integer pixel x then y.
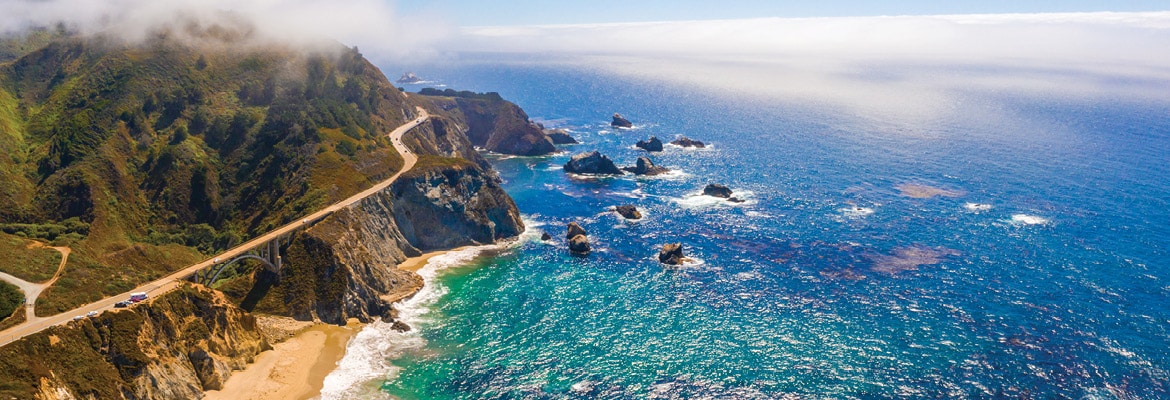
{"type": "Point", "coordinates": [176, 347]}
{"type": "Point", "coordinates": [494, 124]}
{"type": "Point", "coordinates": [345, 266]}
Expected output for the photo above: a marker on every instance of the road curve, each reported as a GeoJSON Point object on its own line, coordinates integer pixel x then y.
{"type": "Point", "coordinates": [169, 282]}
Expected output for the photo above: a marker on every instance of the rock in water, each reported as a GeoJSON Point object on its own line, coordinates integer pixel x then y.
{"type": "Point", "coordinates": [628, 211]}
{"type": "Point", "coordinates": [646, 167]}
{"type": "Point", "coordinates": [574, 230]}
{"type": "Point", "coordinates": [545, 236]}
{"type": "Point", "coordinates": [687, 142]}
{"type": "Point", "coordinates": [652, 144]}
{"type": "Point", "coordinates": [592, 163]}
{"type": "Point", "coordinates": [717, 190]}
{"type": "Point", "coordinates": [579, 245]}
{"type": "Point", "coordinates": [400, 326]}
{"type": "Point", "coordinates": [409, 77]}
{"type": "Point", "coordinates": [621, 122]}
{"type": "Point", "coordinates": [560, 136]}
{"type": "Point", "coordinates": [671, 254]}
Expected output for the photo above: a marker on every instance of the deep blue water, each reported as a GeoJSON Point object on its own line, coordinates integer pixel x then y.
{"type": "Point", "coordinates": [829, 282]}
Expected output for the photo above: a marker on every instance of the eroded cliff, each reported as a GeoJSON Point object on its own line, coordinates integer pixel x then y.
{"type": "Point", "coordinates": [175, 347]}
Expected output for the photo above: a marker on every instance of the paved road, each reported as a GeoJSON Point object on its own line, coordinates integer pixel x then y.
{"type": "Point", "coordinates": [169, 282]}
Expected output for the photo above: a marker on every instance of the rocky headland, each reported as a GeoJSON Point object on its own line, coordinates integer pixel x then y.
{"type": "Point", "coordinates": [263, 157]}
{"type": "Point", "coordinates": [492, 123]}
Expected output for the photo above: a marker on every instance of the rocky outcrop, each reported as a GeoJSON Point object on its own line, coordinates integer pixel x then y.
{"type": "Point", "coordinates": [574, 229]}
{"type": "Point", "coordinates": [409, 78]}
{"type": "Point", "coordinates": [628, 211]}
{"type": "Point", "coordinates": [621, 122]}
{"type": "Point", "coordinates": [545, 237]}
{"type": "Point", "coordinates": [175, 347]}
{"type": "Point", "coordinates": [646, 167]}
{"type": "Point", "coordinates": [717, 190]}
{"type": "Point", "coordinates": [592, 163]}
{"type": "Point", "coordinates": [344, 266]}
{"type": "Point", "coordinates": [687, 142]}
{"type": "Point", "coordinates": [578, 239]}
{"type": "Point", "coordinates": [671, 254]}
{"type": "Point", "coordinates": [497, 125]}
{"type": "Point", "coordinates": [579, 245]}
{"type": "Point", "coordinates": [560, 136]}
{"type": "Point", "coordinates": [651, 145]}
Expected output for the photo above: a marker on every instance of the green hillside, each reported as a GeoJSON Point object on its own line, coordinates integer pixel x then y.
{"type": "Point", "coordinates": [146, 157]}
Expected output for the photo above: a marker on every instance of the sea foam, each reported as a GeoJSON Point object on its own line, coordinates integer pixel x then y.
{"type": "Point", "coordinates": [368, 355]}
{"type": "Point", "coordinates": [1025, 219]}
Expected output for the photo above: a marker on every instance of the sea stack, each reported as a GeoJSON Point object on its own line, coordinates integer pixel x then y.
{"type": "Point", "coordinates": [684, 141]}
{"type": "Point", "coordinates": [651, 145]}
{"type": "Point", "coordinates": [409, 78]}
{"type": "Point", "coordinates": [671, 254]}
{"type": "Point", "coordinates": [717, 190]}
{"type": "Point", "coordinates": [628, 211]}
{"type": "Point", "coordinates": [621, 122]}
{"type": "Point", "coordinates": [578, 239]}
{"type": "Point", "coordinates": [592, 163]}
{"type": "Point", "coordinates": [646, 167]}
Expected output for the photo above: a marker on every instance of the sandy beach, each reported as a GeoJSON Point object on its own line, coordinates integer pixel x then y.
{"type": "Point", "coordinates": [293, 369]}
{"type": "Point", "coordinates": [296, 367]}
{"type": "Point", "coordinates": [414, 264]}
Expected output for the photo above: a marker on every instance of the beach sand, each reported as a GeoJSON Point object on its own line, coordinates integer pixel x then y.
{"type": "Point", "coordinates": [414, 264]}
{"type": "Point", "coordinates": [293, 369]}
{"type": "Point", "coordinates": [297, 366]}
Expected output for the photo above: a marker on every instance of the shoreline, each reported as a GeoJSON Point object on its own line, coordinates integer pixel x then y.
{"type": "Point", "coordinates": [294, 369]}
{"type": "Point", "coordinates": [302, 356]}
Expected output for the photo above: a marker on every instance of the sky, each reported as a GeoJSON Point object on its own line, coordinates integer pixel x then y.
{"type": "Point", "coordinates": [544, 12]}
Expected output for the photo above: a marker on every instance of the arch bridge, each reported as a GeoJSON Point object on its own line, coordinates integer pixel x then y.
{"type": "Point", "coordinates": [267, 254]}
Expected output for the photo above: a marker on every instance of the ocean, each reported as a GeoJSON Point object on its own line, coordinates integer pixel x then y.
{"type": "Point", "coordinates": [1017, 245]}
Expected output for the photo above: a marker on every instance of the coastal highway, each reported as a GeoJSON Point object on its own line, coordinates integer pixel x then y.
{"type": "Point", "coordinates": [170, 282]}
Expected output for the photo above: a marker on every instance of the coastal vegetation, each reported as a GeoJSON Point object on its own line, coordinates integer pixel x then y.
{"type": "Point", "coordinates": [145, 157]}
{"type": "Point", "coordinates": [11, 299]}
{"type": "Point", "coordinates": [26, 259]}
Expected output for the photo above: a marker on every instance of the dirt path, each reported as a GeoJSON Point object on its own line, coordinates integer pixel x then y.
{"type": "Point", "coordinates": [33, 290]}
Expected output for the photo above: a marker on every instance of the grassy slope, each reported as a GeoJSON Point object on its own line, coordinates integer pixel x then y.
{"type": "Point", "coordinates": [166, 153]}
{"type": "Point", "coordinates": [26, 260]}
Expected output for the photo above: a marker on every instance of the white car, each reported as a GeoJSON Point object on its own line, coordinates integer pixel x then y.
{"type": "Point", "coordinates": [216, 260]}
{"type": "Point", "coordinates": [304, 221]}
{"type": "Point", "coordinates": [91, 314]}
{"type": "Point", "coordinates": [79, 318]}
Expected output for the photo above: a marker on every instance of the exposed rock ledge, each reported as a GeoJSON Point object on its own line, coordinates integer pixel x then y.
{"type": "Point", "coordinates": [175, 347]}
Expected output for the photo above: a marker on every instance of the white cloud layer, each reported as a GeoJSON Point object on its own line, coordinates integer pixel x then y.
{"type": "Point", "coordinates": [913, 68]}
{"type": "Point", "coordinates": [373, 25]}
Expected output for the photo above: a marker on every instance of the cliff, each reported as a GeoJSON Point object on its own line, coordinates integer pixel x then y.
{"type": "Point", "coordinates": [344, 266]}
{"type": "Point", "coordinates": [148, 157]}
{"type": "Point", "coordinates": [493, 123]}
{"type": "Point", "coordinates": [175, 347]}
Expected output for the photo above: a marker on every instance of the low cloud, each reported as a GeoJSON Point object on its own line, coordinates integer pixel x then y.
{"type": "Point", "coordinates": [912, 69]}
{"type": "Point", "coordinates": [373, 25]}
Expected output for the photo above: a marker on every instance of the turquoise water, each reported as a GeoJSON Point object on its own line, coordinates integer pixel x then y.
{"type": "Point", "coordinates": [1042, 273]}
